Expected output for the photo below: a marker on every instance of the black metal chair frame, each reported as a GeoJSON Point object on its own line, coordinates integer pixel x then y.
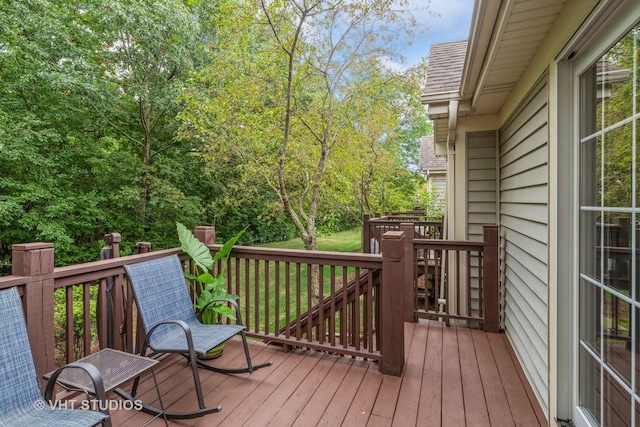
{"type": "Point", "coordinates": [186, 331]}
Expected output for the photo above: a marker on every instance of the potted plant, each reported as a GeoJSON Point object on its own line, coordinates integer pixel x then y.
{"type": "Point", "coordinates": [209, 290]}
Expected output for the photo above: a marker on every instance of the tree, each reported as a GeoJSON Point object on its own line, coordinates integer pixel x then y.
{"type": "Point", "coordinates": [88, 107]}
{"type": "Point", "coordinates": [47, 172]}
{"type": "Point", "coordinates": [148, 51]}
{"type": "Point", "coordinates": [284, 99]}
{"type": "Point", "coordinates": [294, 87]}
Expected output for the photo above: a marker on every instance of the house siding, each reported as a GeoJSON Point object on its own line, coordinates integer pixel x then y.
{"type": "Point", "coordinates": [524, 218]}
{"type": "Point", "coordinates": [482, 196]}
{"type": "Point", "coordinates": [439, 182]}
{"type": "Point", "coordinates": [481, 182]}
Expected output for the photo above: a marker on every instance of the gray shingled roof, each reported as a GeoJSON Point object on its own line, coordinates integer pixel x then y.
{"type": "Point", "coordinates": [428, 159]}
{"type": "Point", "coordinates": [444, 71]}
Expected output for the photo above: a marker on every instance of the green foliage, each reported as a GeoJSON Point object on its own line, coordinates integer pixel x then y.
{"type": "Point", "coordinates": [432, 202]}
{"type": "Point", "coordinates": [131, 116]}
{"type": "Point", "coordinates": [297, 103]}
{"type": "Point", "coordinates": [82, 151]}
{"type": "Point", "coordinates": [60, 319]}
{"type": "Point", "coordinates": [209, 289]}
{"type": "Point", "coordinates": [614, 171]}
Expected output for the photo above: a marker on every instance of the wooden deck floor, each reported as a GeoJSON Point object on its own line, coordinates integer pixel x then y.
{"type": "Point", "coordinates": [454, 376]}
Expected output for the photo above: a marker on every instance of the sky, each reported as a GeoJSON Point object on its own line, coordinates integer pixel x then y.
{"type": "Point", "coordinates": [452, 24]}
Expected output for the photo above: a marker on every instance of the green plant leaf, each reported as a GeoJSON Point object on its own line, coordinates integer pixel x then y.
{"type": "Point", "coordinates": [216, 286]}
{"type": "Point", "coordinates": [197, 250]}
{"type": "Point", "coordinates": [206, 278]}
{"type": "Point", "coordinates": [225, 250]}
{"type": "Point", "coordinates": [190, 276]}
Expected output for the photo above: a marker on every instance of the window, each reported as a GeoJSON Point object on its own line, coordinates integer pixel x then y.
{"type": "Point", "coordinates": [609, 237]}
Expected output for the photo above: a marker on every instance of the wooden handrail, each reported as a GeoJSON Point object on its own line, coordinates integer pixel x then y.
{"type": "Point", "coordinates": [351, 310]}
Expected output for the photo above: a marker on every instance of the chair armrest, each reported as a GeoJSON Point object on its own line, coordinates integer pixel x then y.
{"type": "Point", "coordinates": [181, 323]}
{"type": "Point", "coordinates": [96, 380]}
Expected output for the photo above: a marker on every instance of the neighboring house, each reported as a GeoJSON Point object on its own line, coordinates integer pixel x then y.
{"type": "Point", "coordinates": [540, 127]}
{"type": "Point", "coordinates": [434, 168]}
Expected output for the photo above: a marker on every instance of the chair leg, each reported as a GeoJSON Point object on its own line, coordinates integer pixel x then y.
{"type": "Point", "coordinates": [171, 414]}
{"type": "Point", "coordinates": [196, 377]}
{"type": "Point", "coordinates": [249, 369]}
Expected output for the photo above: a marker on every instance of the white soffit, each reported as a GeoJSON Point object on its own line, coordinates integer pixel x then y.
{"type": "Point", "coordinates": [520, 28]}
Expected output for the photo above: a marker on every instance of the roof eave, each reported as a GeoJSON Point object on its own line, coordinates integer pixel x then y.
{"type": "Point", "coordinates": [484, 18]}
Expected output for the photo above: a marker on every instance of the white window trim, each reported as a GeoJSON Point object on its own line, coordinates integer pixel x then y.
{"type": "Point", "coordinates": [610, 20]}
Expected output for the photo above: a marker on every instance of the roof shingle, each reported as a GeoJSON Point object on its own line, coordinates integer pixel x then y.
{"type": "Point", "coordinates": [444, 72]}
{"type": "Point", "coordinates": [428, 159]}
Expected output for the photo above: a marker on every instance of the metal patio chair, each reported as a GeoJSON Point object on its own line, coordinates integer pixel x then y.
{"type": "Point", "coordinates": [22, 403]}
{"type": "Point", "coordinates": [171, 326]}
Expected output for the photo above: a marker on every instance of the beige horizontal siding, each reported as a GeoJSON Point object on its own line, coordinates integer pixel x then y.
{"type": "Point", "coordinates": [524, 194]}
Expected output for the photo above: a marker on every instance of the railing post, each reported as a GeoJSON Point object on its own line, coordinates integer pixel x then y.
{"type": "Point", "coordinates": [141, 248]}
{"type": "Point", "coordinates": [206, 234]}
{"type": "Point", "coordinates": [408, 285]}
{"type": "Point", "coordinates": [392, 346]}
{"type": "Point", "coordinates": [366, 234]}
{"type": "Point", "coordinates": [111, 310]}
{"type": "Point", "coordinates": [490, 278]}
{"type": "Point", "coordinates": [35, 260]}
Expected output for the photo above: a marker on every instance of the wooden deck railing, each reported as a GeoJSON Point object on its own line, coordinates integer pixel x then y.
{"type": "Point", "coordinates": [346, 317]}
{"type": "Point", "coordinates": [279, 303]}
{"type": "Point", "coordinates": [359, 309]}
{"type": "Point", "coordinates": [374, 226]}
{"type": "Point", "coordinates": [453, 279]}
{"type": "Point", "coordinates": [85, 318]}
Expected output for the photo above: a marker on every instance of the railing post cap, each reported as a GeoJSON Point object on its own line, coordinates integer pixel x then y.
{"type": "Point", "coordinates": [31, 246]}
{"type": "Point", "coordinates": [393, 235]}
{"type": "Point", "coordinates": [112, 238]}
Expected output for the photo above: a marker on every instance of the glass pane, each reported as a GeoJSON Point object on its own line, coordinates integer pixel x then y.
{"type": "Point", "coordinates": [607, 240]}
{"type": "Point", "coordinates": [589, 394]}
{"type": "Point", "coordinates": [590, 317]}
{"type": "Point", "coordinates": [635, 331]}
{"type": "Point", "coordinates": [589, 103]}
{"type": "Point", "coordinates": [590, 172]}
{"type": "Point", "coordinates": [617, 101]}
{"type": "Point", "coordinates": [616, 403]}
{"type": "Point", "coordinates": [616, 326]}
{"type": "Point", "coordinates": [618, 166]}
{"type": "Point", "coordinates": [615, 82]}
{"type": "Point", "coordinates": [590, 246]}
{"type": "Point", "coordinates": [636, 70]}
{"type": "Point", "coordinates": [616, 242]}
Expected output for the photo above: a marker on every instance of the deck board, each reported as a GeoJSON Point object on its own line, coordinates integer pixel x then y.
{"type": "Point", "coordinates": [407, 408]}
{"type": "Point", "coordinates": [521, 409]}
{"type": "Point", "coordinates": [430, 407]}
{"type": "Point", "coordinates": [453, 376]}
{"type": "Point", "coordinates": [313, 410]}
{"type": "Point", "coordinates": [337, 409]}
{"type": "Point", "coordinates": [495, 396]}
{"type": "Point", "coordinates": [362, 403]}
{"type": "Point", "coordinates": [475, 406]}
{"type": "Point", "coordinates": [452, 398]}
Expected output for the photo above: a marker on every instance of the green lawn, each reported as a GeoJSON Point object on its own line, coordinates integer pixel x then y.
{"type": "Point", "coordinates": [263, 305]}
{"type": "Point", "coordinates": [344, 241]}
